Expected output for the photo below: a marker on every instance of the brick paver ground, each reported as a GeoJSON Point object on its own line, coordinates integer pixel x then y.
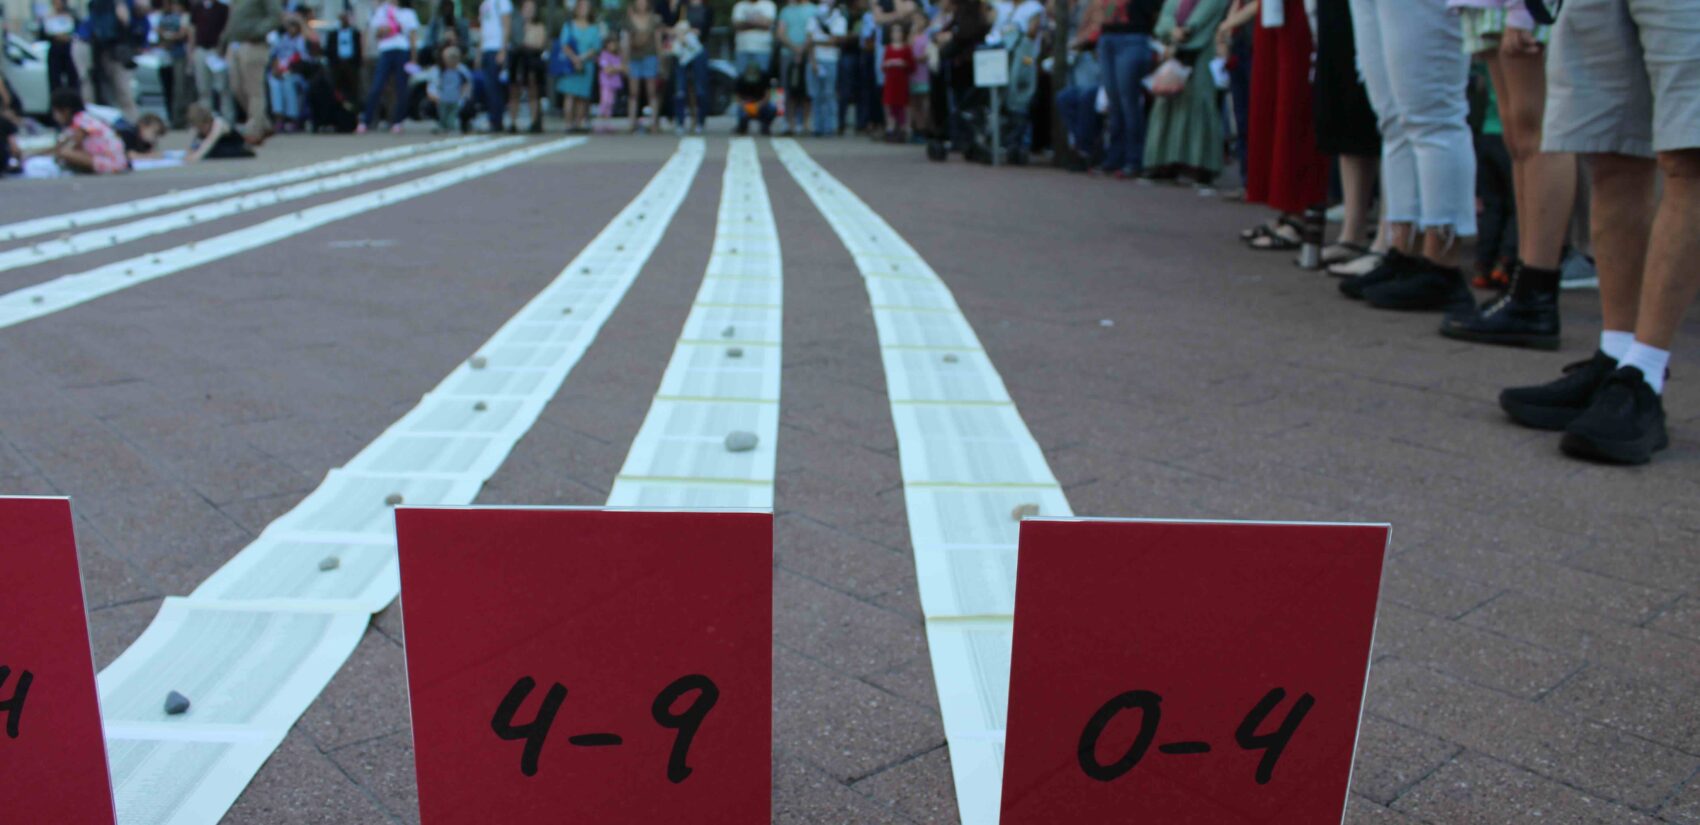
{"type": "Point", "coordinates": [1538, 653]}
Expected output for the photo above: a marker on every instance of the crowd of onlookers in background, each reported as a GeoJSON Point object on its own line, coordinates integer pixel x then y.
{"type": "Point", "coordinates": [1455, 120]}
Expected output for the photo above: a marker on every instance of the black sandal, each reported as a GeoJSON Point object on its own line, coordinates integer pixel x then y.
{"type": "Point", "coordinates": [1280, 239]}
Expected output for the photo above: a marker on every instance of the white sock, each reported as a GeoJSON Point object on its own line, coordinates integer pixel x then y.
{"type": "Point", "coordinates": [1651, 361]}
{"type": "Point", "coordinates": [1616, 344]}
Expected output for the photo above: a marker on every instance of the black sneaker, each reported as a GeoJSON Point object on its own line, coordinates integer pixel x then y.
{"type": "Point", "coordinates": [1424, 288]}
{"type": "Point", "coordinates": [1624, 425]}
{"type": "Point", "coordinates": [1553, 405]}
{"type": "Point", "coordinates": [1393, 265]}
{"type": "Point", "coordinates": [1526, 315]}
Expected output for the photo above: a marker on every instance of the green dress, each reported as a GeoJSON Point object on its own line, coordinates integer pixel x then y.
{"type": "Point", "coordinates": [1186, 129]}
{"type": "Point", "coordinates": [589, 41]}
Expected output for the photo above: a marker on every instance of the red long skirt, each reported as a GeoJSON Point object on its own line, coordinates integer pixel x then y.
{"type": "Point", "coordinates": [1284, 169]}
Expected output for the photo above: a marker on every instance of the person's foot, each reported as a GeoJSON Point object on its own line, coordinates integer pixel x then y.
{"type": "Point", "coordinates": [1555, 404]}
{"type": "Point", "coordinates": [536, 128]}
{"type": "Point", "coordinates": [1526, 315]}
{"type": "Point", "coordinates": [395, 128]}
{"type": "Point", "coordinates": [360, 130]}
{"type": "Point", "coordinates": [513, 128]}
{"type": "Point", "coordinates": [697, 130]}
{"type": "Point", "coordinates": [1426, 287]}
{"type": "Point", "coordinates": [1625, 424]}
{"type": "Point", "coordinates": [1391, 266]}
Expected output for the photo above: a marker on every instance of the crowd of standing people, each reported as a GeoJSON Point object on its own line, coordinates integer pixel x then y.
{"type": "Point", "coordinates": [1435, 126]}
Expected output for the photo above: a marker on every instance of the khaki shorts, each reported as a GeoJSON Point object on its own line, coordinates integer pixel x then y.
{"type": "Point", "coordinates": [1623, 77]}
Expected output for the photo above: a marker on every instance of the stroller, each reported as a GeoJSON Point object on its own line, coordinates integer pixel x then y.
{"type": "Point", "coordinates": [1015, 103]}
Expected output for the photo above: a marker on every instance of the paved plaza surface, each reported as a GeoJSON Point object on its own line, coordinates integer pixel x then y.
{"type": "Point", "coordinates": [1537, 655]}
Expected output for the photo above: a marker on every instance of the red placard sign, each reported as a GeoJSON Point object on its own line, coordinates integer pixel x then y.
{"type": "Point", "coordinates": [571, 665]}
{"type": "Point", "coordinates": [1188, 672]}
{"type": "Point", "coordinates": [52, 751]}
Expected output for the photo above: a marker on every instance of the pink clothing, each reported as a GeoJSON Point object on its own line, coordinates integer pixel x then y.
{"type": "Point", "coordinates": [921, 75]}
{"type": "Point", "coordinates": [103, 145]}
{"type": "Point", "coordinates": [609, 79]}
{"type": "Point", "coordinates": [1516, 11]}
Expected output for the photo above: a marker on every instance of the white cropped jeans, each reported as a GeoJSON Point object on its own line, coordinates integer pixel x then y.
{"type": "Point", "coordinates": [1411, 56]}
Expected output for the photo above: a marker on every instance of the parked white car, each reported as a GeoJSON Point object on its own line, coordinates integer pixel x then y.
{"type": "Point", "coordinates": [25, 66]}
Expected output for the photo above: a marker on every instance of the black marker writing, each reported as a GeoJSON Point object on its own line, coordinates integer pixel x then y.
{"type": "Point", "coordinates": [14, 707]}
{"type": "Point", "coordinates": [1150, 707]}
{"type": "Point", "coordinates": [1272, 744]}
{"type": "Point", "coordinates": [686, 722]}
{"type": "Point", "coordinates": [534, 732]}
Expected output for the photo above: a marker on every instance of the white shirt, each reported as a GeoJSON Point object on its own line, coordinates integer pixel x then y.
{"type": "Point", "coordinates": [398, 23]}
{"type": "Point", "coordinates": [824, 30]}
{"type": "Point", "coordinates": [491, 13]}
{"type": "Point", "coordinates": [754, 40]}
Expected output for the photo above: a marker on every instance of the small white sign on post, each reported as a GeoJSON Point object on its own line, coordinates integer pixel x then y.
{"type": "Point", "coordinates": [991, 68]}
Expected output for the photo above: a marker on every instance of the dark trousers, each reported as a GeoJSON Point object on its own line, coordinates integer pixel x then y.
{"type": "Point", "coordinates": [688, 77]}
{"type": "Point", "coordinates": [494, 90]}
{"type": "Point", "coordinates": [1239, 85]}
{"type": "Point", "coordinates": [1078, 108]}
{"type": "Point", "coordinates": [1497, 240]}
{"type": "Point", "coordinates": [61, 70]}
{"type": "Point", "coordinates": [391, 71]}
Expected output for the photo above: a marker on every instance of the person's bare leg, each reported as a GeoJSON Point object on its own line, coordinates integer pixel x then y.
{"type": "Point", "coordinates": [1402, 236]}
{"type": "Point", "coordinates": [1546, 182]}
{"type": "Point", "coordinates": [1357, 179]}
{"type": "Point", "coordinates": [1441, 245]}
{"type": "Point", "coordinates": [1672, 277]}
{"type": "Point", "coordinates": [1623, 209]}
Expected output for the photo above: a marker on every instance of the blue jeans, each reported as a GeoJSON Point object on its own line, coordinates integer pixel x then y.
{"type": "Point", "coordinates": [286, 93]}
{"type": "Point", "coordinates": [1124, 60]}
{"type": "Point", "coordinates": [691, 75]}
{"type": "Point", "coordinates": [760, 60]}
{"type": "Point", "coordinates": [823, 93]}
{"type": "Point", "coordinates": [1078, 107]}
{"type": "Point", "coordinates": [494, 90]}
{"type": "Point", "coordinates": [391, 69]}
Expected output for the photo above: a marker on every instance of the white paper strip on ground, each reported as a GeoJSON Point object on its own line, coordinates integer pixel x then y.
{"type": "Point", "coordinates": [85, 218]}
{"type": "Point", "coordinates": [260, 638]}
{"type": "Point", "coordinates": [971, 472]}
{"type": "Point", "coordinates": [68, 291]}
{"type": "Point", "coordinates": [724, 373]}
{"type": "Point", "coordinates": [111, 236]}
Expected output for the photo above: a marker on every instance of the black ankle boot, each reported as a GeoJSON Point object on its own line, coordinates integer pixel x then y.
{"type": "Point", "coordinates": [1526, 315]}
{"type": "Point", "coordinates": [1394, 265]}
{"type": "Point", "coordinates": [1426, 287]}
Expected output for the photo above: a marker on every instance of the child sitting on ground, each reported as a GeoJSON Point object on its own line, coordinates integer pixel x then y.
{"type": "Point", "coordinates": [450, 89]}
{"type": "Point", "coordinates": [87, 145]}
{"type": "Point", "coordinates": [214, 139]}
{"type": "Point", "coordinates": [142, 139]}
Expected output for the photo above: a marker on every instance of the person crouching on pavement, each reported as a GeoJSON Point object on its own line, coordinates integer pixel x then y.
{"type": "Point", "coordinates": [87, 144]}
{"type": "Point", "coordinates": [214, 138]}
{"type": "Point", "coordinates": [450, 90]}
{"type": "Point", "coordinates": [754, 100]}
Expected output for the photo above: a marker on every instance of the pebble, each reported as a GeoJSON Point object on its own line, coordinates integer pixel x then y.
{"type": "Point", "coordinates": [392, 499]}
{"type": "Point", "coordinates": [734, 352]}
{"type": "Point", "coordinates": [480, 406]}
{"type": "Point", "coordinates": [740, 441]}
{"type": "Point", "coordinates": [728, 332]}
{"type": "Point", "coordinates": [37, 299]}
{"type": "Point", "coordinates": [1106, 323]}
{"type": "Point", "coordinates": [950, 358]}
{"type": "Point", "coordinates": [329, 563]}
{"type": "Point", "coordinates": [176, 704]}
{"type": "Point", "coordinates": [479, 362]}
{"type": "Point", "coordinates": [585, 270]}
{"type": "Point", "coordinates": [566, 310]}
{"type": "Point", "coordinates": [1022, 511]}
